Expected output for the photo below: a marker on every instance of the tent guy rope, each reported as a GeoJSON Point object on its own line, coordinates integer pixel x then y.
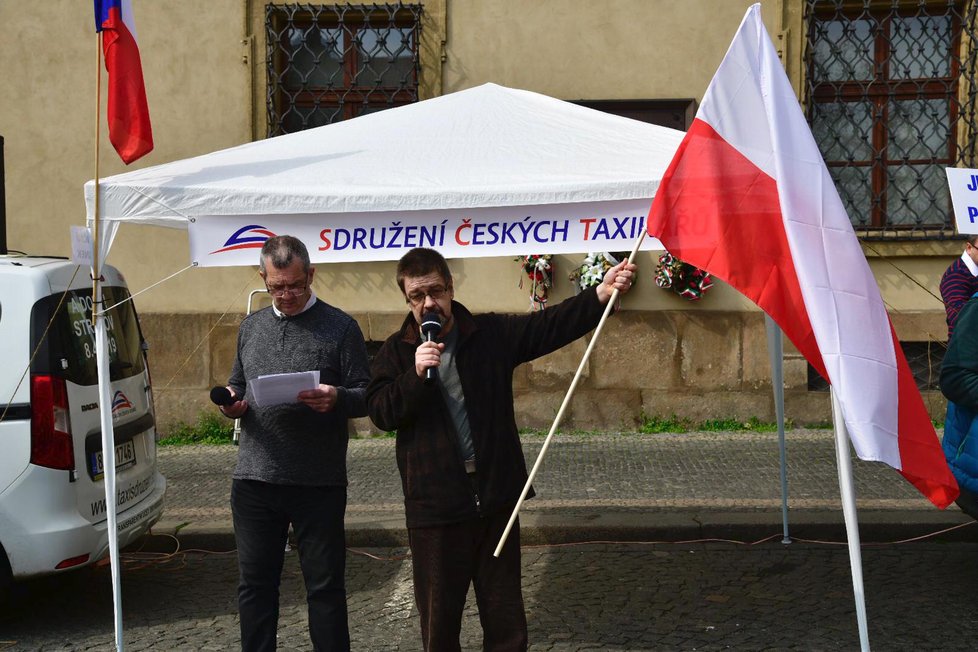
{"type": "Point", "coordinates": [146, 289]}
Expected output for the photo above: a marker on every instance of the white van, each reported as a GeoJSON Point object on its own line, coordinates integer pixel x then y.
{"type": "Point", "coordinates": [52, 494]}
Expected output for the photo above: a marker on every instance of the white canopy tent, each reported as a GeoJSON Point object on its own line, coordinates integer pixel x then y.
{"type": "Point", "coordinates": [489, 171]}
{"type": "Point", "coordinates": [530, 173]}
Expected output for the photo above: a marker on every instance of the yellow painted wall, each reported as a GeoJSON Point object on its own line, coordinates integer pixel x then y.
{"type": "Point", "coordinates": [587, 49]}
{"type": "Point", "coordinates": [199, 99]}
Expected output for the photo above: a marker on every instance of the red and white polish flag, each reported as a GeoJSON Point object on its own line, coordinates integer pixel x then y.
{"type": "Point", "coordinates": [748, 198]}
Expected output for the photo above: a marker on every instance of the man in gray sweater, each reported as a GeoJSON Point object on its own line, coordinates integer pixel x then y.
{"type": "Point", "coordinates": [292, 456]}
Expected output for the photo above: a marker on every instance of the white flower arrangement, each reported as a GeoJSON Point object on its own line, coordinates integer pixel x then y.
{"type": "Point", "coordinates": [592, 269]}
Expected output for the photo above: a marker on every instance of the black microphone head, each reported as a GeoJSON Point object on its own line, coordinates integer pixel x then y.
{"type": "Point", "coordinates": [430, 324]}
{"type": "Point", "coordinates": [221, 396]}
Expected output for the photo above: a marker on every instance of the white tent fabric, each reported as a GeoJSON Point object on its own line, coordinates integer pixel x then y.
{"type": "Point", "coordinates": [466, 155]}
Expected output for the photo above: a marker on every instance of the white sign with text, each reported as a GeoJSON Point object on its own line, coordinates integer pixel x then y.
{"type": "Point", "coordinates": [963, 183]}
{"type": "Point", "coordinates": [81, 246]}
{"type": "Point", "coordinates": [219, 240]}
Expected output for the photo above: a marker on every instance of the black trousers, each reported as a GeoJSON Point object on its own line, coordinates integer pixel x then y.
{"type": "Point", "coordinates": [262, 513]}
{"type": "Point", "coordinates": [446, 559]}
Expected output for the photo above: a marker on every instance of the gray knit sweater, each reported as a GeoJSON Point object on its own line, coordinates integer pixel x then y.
{"type": "Point", "coordinates": [292, 443]}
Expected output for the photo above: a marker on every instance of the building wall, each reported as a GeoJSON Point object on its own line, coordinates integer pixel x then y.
{"type": "Point", "coordinates": [205, 77]}
{"type": "Point", "coordinates": [580, 49]}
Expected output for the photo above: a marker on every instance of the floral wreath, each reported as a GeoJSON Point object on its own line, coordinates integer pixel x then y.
{"type": "Point", "coordinates": [539, 271]}
{"type": "Point", "coordinates": [689, 282]}
{"type": "Point", "coordinates": [592, 269]}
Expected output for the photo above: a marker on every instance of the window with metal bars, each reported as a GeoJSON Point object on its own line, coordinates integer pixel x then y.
{"type": "Point", "coordinates": [891, 101]}
{"type": "Point", "coordinates": [328, 63]}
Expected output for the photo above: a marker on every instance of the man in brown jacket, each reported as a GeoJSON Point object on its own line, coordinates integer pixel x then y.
{"type": "Point", "coordinates": [458, 450]}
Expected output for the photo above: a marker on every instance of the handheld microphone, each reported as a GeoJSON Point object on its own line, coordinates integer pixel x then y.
{"type": "Point", "coordinates": [221, 396]}
{"type": "Point", "coordinates": [430, 327]}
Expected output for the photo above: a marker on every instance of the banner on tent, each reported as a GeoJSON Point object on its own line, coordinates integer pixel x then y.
{"type": "Point", "coordinates": [222, 240]}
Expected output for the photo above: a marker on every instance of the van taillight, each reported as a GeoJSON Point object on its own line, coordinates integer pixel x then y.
{"type": "Point", "coordinates": [51, 444]}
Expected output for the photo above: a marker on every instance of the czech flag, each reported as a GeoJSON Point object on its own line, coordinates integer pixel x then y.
{"type": "Point", "coordinates": [128, 114]}
{"type": "Point", "coordinates": [748, 198]}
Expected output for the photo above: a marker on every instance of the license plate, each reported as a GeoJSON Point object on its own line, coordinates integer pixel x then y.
{"type": "Point", "coordinates": [125, 456]}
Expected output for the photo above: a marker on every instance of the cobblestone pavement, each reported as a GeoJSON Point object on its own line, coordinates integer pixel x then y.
{"type": "Point", "coordinates": [593, 597]}
{"type": "Point", "coordinates": [692, 469]}
{"type": "Point", "coordinates": [609, 485]}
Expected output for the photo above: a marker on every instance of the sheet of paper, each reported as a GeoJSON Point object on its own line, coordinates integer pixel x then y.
{"type": "Point", "coordinates": [274, 389]}
{"type": "Point", "coordinates": [81, 246]}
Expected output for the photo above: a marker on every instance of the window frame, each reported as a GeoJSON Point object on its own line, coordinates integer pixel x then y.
{"type": "Point", "coordinates": [879, 91]}
{"type": "Point", "coordinates": [350, 99]}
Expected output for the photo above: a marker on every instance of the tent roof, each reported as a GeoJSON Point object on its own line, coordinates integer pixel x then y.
{"type": "Point", "coordinates": [485, 146]}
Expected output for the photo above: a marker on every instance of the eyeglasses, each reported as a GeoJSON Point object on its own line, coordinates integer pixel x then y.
{"type": "Point", "coordinates": [279, 291]}
{"type": "Point", "coordinates": [436, 293]}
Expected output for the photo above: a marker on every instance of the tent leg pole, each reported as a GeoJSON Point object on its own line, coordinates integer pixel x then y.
{"type": "Point", "coordinates": [775, 349]}
{"type": "Point", "coordinates": [844, 463]}
{"type": "Point", "coordinates": [108, 444]}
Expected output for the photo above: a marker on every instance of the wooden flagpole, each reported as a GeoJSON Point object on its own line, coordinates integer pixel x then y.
{"type": "Point", "coordinates": [563, 406]}
{"type": "Point", "coordinates": [98, 133]}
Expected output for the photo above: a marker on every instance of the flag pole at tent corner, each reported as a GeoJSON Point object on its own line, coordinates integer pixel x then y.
{"type": "Point", "coordinates": [104, 374]}
{"type": "Point", "coordinates": [848, 493]}
{"type": "Point", "coordinates": [98, 133]}
{"type": "Point", "coordinates": [563, 406]}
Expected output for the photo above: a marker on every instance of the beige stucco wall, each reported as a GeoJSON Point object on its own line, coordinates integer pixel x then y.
{"type": "Point", "coordinates": [205, 79]}
{"type": "Point", "coordinates": [199, 98]}
{"type": "Point", "coordinates": [583, 49]}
